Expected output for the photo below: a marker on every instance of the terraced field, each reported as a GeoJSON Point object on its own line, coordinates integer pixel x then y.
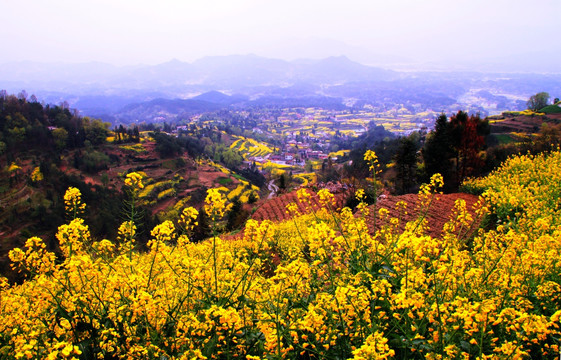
{"type": "Point", "coordinates": [438, 213]}
{"type": "Point", "coordinates": [250, 147]}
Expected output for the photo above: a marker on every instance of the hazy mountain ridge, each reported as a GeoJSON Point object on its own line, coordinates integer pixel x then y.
{"type": "Point", "coordinates": [129, 93]}
{"type": "Point", "coordinates": [232, 71]}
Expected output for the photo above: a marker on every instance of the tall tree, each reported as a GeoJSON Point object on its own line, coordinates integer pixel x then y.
{"type": "Point", "coordinates": [232, 159]}
{"type": "Point", "coordinates": [453, 149]}
{"type": "Point", "coordinates": [468, 139]}
{"type": "Point", "coordinates": [96, 131]}
{"type": "Point", "coordinates": [406, 164]}
{"type": "Point", "coordinates": [438, 151]}
{"type": "Point", "coordinates": [60, 136]}
{"type": "Point", "coordinates": [538, 101]}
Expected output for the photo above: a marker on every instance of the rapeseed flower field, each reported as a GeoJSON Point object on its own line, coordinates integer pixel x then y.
{"type": "Point", "coordinates": [317, 286]}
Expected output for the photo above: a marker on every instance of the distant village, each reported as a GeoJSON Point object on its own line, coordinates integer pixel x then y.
{"type": "Point", "coordinates": [298, 135]}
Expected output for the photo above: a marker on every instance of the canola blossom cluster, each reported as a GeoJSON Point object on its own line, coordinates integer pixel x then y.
{"type": "Point", "coordinates": [134, 181]}
{"type": "Point", "coordinates": [73, 204]}
{"type": "Point", "coordinates": [317, 286]}
{"type": "Point", "coordinates": [525, 192]}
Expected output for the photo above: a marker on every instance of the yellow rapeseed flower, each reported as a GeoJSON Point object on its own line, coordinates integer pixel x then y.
{"type": "Point", "coordinates": [215, 204]}
{"type": "Point", "coordinates": [73, 203]}
{"type": "Point", "coordinates": [134, 181]}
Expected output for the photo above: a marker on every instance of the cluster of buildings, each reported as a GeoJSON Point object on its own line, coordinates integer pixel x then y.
{"type": "Point", "coordinates": [293, 153]}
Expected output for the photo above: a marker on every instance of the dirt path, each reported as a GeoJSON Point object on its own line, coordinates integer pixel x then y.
{"type": "Point", "coordinates": [13, 195]}
{"type": "Point", "coordinates": [274, 189]}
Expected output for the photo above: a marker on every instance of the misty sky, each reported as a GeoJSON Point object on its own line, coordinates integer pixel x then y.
{"type": "Point", "coordinates": [149, 32]}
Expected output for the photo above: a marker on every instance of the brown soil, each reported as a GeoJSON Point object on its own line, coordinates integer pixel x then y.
{"type": "Point", "coordinates": [195, 175]}
{"type": "Point", "coordinates": [275, 209]}
{"type": "Point", "coordinates": [522, 123]}
{"type": "Point", "coordinates": [208, 176]}
{"type": "Point", "coordinates": [437, 215]}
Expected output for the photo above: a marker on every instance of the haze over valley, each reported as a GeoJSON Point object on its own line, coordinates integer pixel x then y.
{"type": "Point", "coordinates": [174, 90]}
{"type": "Point", "coordinates": [107, 58]}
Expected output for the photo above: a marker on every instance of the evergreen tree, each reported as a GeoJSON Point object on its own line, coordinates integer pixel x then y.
{"type": "Point", "coordinates": [202, 230]}
{"type": "Point", "coordinates": [406, 164]}
{"type": "Point", "coordinates": [453, 148]}
{"type": "Point", "coordinates": [438, 151]}
{"type": "Point", "coordinates": [468, 139]}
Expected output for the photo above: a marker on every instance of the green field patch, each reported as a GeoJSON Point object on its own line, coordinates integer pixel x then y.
{"type": "Point", "coordinates": [170, 164]}
{"type": "Point", "coordinates": [551, 109]}
{"type": "Point", "coordinates": [224, 181]}
{"type": "Point", "coordinates": [504, 138]}
{"type": "Point", "coordinates": [240, 178]}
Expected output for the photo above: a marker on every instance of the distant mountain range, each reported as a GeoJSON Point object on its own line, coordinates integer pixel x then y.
{"type": "Point", "coordinates": [228, 72]}
{"type": "Point", "coordinates": [174, 89]}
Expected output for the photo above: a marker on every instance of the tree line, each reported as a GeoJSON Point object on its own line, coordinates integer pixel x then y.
{"type": "Point", "coordinates": [455, 149]}
{"type": "Point", "coordinates": [26, 124]}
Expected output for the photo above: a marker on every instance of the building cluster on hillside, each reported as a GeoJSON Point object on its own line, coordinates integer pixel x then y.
{"type": "Point", "coordinates": [293, 153]}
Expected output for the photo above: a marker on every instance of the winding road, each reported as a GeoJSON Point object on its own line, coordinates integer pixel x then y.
{"type": "Point", "coordinates": [272, 188]}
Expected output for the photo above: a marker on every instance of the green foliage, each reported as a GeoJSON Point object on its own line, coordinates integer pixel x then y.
{"type": "Point", "coordinates": [378, 139]}
{"type": "Point", "coordinates": [406, 163]}
{"type": "Point", "coordinates": [166, 146]}
{"type": "Point", "coordinates": [126, 135]}
{"type": "Point", "coordinates": [60, 136]}
{"type": "Point", "coordinates": [236, 216]}
{"type": "Point", "coordinates": [224, 181]}
{"type": "Point", "coordinates": [253, 174]}
{"type": "Point", "coordinates": [551, 109]}
{"type": "Point", "coordinates": [96, 131]}
{"type": "Point", "coordinates": [48, 128]}
{"type": "Point", "coordinates": [16, 136]}
{"type": "Point", "coordinates": [221, 153]}
{"type": "Point", "coordinates": [453, 148]}
{"type": "Point", "coordinates": [232, 159]}
{"type": "Point", "coordinates": [105, 179]}
{"type": "Point", "coordinates": [92, 161]}
{"type": "Point", "coordinates": [438, 150]}
{"type": "Point", "coordinates": [548, 139]}
{"type": "Point", "coordinates": [538, 101]}
{"type": "Point", "coordinates": [16, 120]}
{"type": "Point", "coordinates": [252, 198]}
{"type": "Point", "coordinates": [503, 138]}
{"type": "Point", "coordinates": [170, 164]}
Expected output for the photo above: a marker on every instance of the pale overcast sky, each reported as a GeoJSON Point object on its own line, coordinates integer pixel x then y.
{"type": "Point", "coordinates": [128, 32]}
